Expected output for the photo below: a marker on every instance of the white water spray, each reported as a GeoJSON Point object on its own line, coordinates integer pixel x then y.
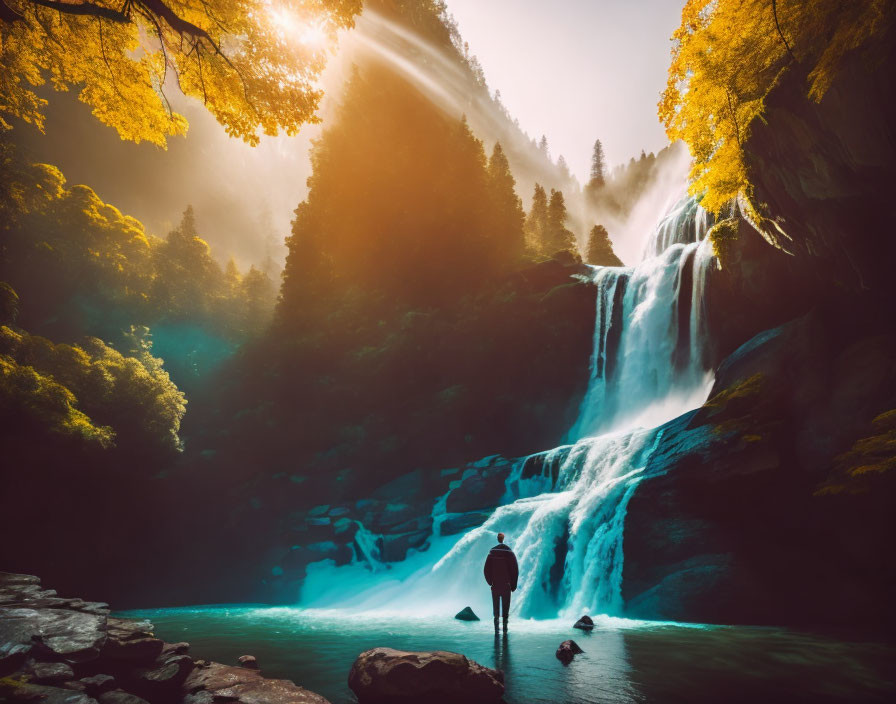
{"type": "Point", "coordinates": [564, 510]}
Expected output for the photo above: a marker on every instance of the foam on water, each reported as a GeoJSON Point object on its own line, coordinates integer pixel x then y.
{"type": "Point", "coordinates": [564, 510]}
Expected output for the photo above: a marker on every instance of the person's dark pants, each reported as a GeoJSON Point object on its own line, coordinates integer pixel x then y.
{"type": "Point", "coordinates": [502, 595]}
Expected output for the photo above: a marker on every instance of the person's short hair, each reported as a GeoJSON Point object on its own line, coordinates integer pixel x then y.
{"type": "Point", "coordinates": [500, 537]}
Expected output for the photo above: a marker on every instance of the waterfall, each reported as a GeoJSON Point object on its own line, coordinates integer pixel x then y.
{"type": "Point", "coordinates": [685, 223]}
{"type": "Point", "coordinates": [648, 363]}
{"type": "Point", "coordinates": [563, 510]}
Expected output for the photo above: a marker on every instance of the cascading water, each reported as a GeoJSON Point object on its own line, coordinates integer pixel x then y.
{"type": "Point", "coordinates": [648, 363]}
{"type": "Point", "coordinates": [564, 509]}
{"type": "Point", "coordinates": [685, 223]}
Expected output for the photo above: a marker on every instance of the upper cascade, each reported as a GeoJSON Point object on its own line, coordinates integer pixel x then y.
{"type": "Point", "coordinates": [685, 223]}
{"type": "Point", "coordinates": [649, 361]}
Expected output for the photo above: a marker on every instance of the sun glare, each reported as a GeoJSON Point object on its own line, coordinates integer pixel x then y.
{"type": "Point", "coordinates": [311, 33]}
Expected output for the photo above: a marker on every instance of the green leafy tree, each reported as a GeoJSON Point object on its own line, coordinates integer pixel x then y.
{"type": "Point", "coordinates": [92, 391]}
{"type": "Point", "coordinates": [189, 280]}
{"type": "Point", "coordinates": [84, 268]}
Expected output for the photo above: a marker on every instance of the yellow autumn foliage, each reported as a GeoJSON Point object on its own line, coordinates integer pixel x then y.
{"type": "Point", "coordinates": [90, 390]}
{"type": "Point", "coordinates": [253, 63]}
{"type": "Point", "coordinates": [41, 400]}
{"type": "Point", "coordinates": [728, 54]}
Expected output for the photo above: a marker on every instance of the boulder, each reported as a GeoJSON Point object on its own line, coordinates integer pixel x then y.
{"type": "Point", "coordinates": [584, 624]}
{"type": "Point", "coordinates": [164, 680]}
{"type": "Point", "coordinates": [175, 649]}
{"type": "Point", "coordinates": [394, 548]}
{"type": "Point", "coordinates": [11, 579]}
{"type": "Point", "coordinates": [466, 614]}
{"type": "Point", "coordinates": [119, 696]}
{"type": "Point", "coordinates": [41, 644]}
{"type": "Point", "coordinates": [131, 641]}
{"type": "Point", "coordinates": [420, 523]}
{"type": "Point", "coordinates": [459, 522]}
{"type": "Point", "coordinates": [139, 651]}
{"type": "Point", "coordinates": [211, 681]}
{"type": "Point", "coordinates": [212, 676]}
{"type": "Point", "coordinates": [98, 684]}
{"type": "Point", "coordinates": [200, 697]}
{"type": "Point", "coordinates": [387, 676]}
{"type": "Point", "coordinates": [72, 636]}
{"type": "Point", "coordinates": [11, 691]}
{"type": "Point", "coordinates": [248, 661]}
{"type": "Point", "coordinates": [50, 672]}
{"type": "Point", "coordinates": [567, 651]}
{"type": "Point", "coordinates": [388, 515]}
{"type": "Point", "coordinates": [479, 489]}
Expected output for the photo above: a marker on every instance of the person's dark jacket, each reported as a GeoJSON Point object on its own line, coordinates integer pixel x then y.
{"type": "Point", "coordinates": [501, 569]}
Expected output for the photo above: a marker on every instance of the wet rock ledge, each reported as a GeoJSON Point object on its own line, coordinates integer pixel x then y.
{"type": "Point", "coordinates": [58, 650]}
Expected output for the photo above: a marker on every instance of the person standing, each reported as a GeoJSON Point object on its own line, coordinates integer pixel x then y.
{"type": "Point", "coordinates": [501, 572]}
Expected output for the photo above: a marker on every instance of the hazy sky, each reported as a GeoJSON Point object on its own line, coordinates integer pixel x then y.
{"type": "Point", "coordinates": [571, 69]}
{"type": "Point", "coordinates": [576, 70]}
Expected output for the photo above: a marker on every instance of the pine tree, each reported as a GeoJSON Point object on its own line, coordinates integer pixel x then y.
{"type": "Point", "coordinates": [543, 145]}
{"type": "Point", "coordinates": [537, 221]}
{"type": "Point", "coordinates": [232, 276]}
{"type": "Point", "coordinates": [563, 167]}
{"type": "Point", "coordinates": [598, 166]}
{"type": "Point", "coordinates": [558, 237]}
{"type": "Point", "coordinates": [188, 278]}
{"type": "Point", "coordinates": [258, 294]}
{"type": "Point", "coordinates": [600, 250]}
{"type": "Point", "coordinates": [507, 208]}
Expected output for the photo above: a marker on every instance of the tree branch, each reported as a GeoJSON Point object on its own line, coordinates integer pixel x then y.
{"type": "Point", "coordinates": [780, 33]}
{"type": "Point", "coordinates": [106, 61]}
{"type": "Point", "coordinates": [179, 25]}
{"type": "Point", "coordinates": [7, 14]}
{"type": "Point", "coordinates": [734, 118]}
{"type": "Point", "coordinates": [84, 8]}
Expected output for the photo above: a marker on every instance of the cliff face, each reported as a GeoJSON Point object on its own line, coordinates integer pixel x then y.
{"type": "Point", "coordinates": [740, 521]}
{"type": "Point", "coordinates": [824, 171]}
{"type": "Point", "coordinates": [773, 502]}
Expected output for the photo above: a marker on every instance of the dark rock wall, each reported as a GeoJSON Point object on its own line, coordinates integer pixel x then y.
{"type": "Point", "coordinates": [733, 523]}
{"type": "Point", "coordinates": [750, 511]}
{"type": "Point", "coordinates": [824, 171]}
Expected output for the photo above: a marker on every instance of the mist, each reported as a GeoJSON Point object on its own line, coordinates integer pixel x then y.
{"type": "Point", "coordinates": [244, 196]}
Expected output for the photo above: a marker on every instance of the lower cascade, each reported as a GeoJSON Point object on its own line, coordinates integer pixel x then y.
{"type": "Point", "coordinates": [564, 509]}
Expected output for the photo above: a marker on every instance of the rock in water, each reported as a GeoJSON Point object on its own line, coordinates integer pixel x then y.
{"type": "Point", "coordinates": [567, 651]}
{"type": "Point", "coordinates": [248, 661]}
{"type": "Point", "coordinates": [584, 624]}
{"type": "Point", "coordinates": [387, 676]}
{"type": "Point", "coordinates": [466, 615]}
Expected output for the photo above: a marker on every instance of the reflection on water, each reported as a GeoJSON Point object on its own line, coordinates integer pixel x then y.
{"type": "Point", "coordinates": [624, 661]}
{"type": "Point", "coordinates": [502, 652]}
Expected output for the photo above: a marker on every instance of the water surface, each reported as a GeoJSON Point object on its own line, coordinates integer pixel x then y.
{"type": "Point", "coordinates": [624, 661]}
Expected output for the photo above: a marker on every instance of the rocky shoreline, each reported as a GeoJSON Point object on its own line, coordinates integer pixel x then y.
{"type": "Point", "coordinates": [62, 650]}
